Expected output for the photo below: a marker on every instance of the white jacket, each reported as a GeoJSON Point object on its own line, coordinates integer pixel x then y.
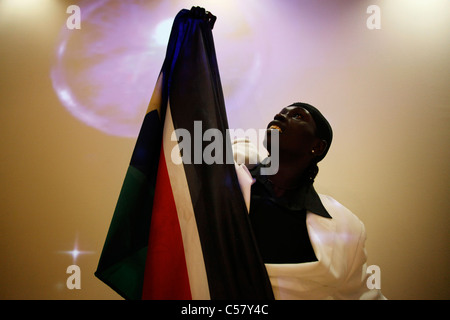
{"type": "Point", "coordinates": [340, 272]}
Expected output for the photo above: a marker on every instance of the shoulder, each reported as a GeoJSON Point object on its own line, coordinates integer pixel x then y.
{"type": "Point", "coordinates": [346, 221]}
{"type": "Point", "coordinates": [339, 211]}
{"type": "Point", "coordinates": [349, 237]}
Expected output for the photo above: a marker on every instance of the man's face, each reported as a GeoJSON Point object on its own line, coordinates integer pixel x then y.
{"type": "Point", "coordinates": [297, 131]}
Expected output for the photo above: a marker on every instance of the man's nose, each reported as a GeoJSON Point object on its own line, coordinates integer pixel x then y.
{"type": "Point", "coordinates": [280, 117]}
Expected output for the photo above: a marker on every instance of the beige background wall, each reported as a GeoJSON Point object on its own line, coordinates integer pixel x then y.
{"type": "Point", "coordinates": [386, 93]}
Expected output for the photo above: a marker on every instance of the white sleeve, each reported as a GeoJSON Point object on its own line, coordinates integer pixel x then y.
{"type": "Point", "coordinates": [246, 156]}
{"type": "Point", "coordinates": [245, 182]}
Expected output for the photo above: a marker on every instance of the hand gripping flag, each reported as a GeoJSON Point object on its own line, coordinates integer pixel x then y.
{"type": "Point", "coordinates": [181, 230]}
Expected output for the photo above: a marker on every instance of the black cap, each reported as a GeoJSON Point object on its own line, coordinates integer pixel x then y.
{"type": "Point", "coordinates": [324, 130]}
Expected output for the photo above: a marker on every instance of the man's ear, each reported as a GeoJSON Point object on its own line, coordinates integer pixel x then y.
{"type": "Point", "coordinates": [319, 147]}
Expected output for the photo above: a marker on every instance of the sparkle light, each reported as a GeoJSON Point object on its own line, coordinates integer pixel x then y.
{"type": "Point", "coordinates": [75, 252]}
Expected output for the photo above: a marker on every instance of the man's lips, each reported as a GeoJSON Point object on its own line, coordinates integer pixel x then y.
{"type": "Point", "coordinates": [276, 125]}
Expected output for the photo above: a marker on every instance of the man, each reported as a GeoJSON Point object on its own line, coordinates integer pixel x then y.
{"type": "Point", "coordinates": [312, 246]}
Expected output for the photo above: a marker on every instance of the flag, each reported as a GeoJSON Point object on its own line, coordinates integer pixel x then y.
{"type": "Point", "coordinates": [181, 230]}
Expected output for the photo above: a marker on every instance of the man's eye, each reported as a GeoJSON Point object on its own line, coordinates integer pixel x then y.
{"type": "Point", "coordinates": [297, 116]}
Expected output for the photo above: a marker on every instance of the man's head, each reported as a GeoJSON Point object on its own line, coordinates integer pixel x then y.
{"type": "Point", "coordinates": [305, 134]}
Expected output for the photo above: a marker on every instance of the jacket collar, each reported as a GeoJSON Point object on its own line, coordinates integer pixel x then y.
{"type": "Point", "coordinates": [304, 197]}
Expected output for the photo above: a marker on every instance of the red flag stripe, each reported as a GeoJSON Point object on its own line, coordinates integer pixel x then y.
{"type": "Point", "coordinates": [175, 268]}
{"type": "Point", "coordinates": [165, 270]}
